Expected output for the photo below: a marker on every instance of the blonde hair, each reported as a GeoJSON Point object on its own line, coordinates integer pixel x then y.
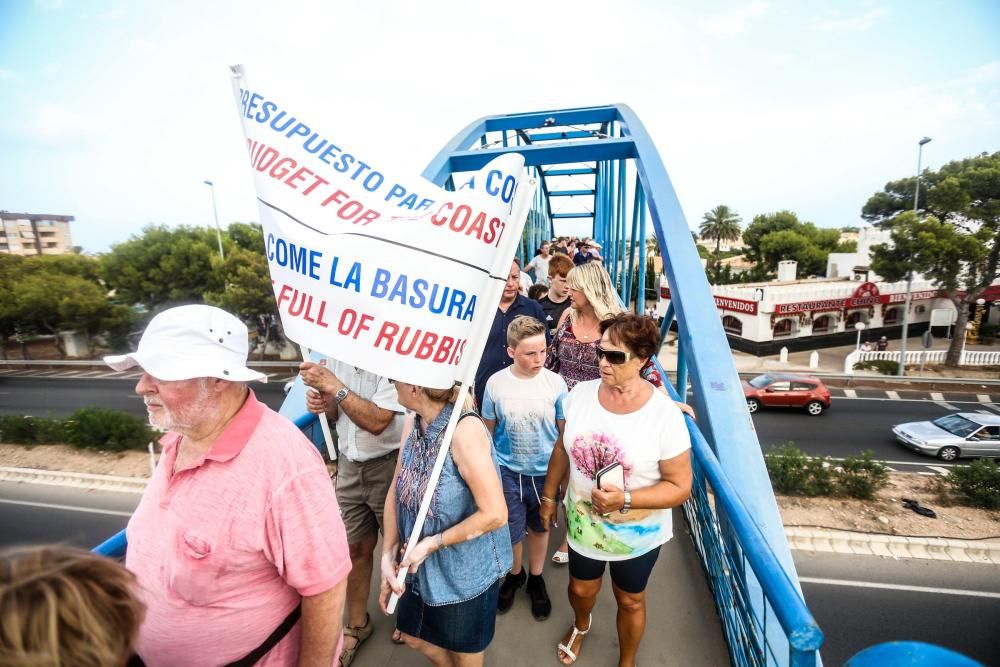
{"type": "Point", "coordinates": [61, 606]}
{"type": "Point", "coordinates": [523, 326]}
{"type": "Point", "coordinates": [450, 396]}
{"type": "Point", "coordinates": [595, 283]}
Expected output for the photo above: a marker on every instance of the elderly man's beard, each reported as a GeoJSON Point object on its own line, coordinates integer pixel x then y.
{"type": "Point", "coordinates": [185, 419]}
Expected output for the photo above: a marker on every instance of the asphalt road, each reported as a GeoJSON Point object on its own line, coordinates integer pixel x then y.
{"type": "Point", "coordinates": [849, 427]}
{"type": "Point", "coordinates": [38, 514]}
{"type": "Point", "coordinates": [860, 601]}
{"type": "Point", "coordinates": [854, 425]}
{"type": "Point", "coordinates": [59, 396]}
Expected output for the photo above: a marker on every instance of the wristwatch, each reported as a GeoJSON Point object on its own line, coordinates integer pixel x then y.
{"type": "Point", "coordinates": [627, 505]}
{"type": "Point", "coordinates": [339, 397]}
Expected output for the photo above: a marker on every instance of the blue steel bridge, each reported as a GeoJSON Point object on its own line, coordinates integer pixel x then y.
{"type": "Point", "coordinates": [725, 588]}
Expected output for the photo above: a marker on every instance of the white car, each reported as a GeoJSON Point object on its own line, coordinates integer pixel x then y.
{"type": "Point", "coordinates": [963, 434]}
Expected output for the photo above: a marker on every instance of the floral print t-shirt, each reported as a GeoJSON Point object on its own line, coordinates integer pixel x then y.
{"type": "Point", "coordinates": [594, 438]}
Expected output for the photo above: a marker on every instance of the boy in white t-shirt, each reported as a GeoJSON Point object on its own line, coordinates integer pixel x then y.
{"type": "Point", "coordinates": [522, 407]}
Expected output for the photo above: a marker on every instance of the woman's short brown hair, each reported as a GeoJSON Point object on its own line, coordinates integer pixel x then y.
{"type": "Point", "coordinates": [638, 333]}
{"type": "Point", "coordinates": [65, 606]}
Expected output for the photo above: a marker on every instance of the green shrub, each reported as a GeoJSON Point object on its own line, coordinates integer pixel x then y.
{"type": "Point", "coordinates": [786, 466]}
{"type": "Point", "coordinates": [17, 430]}
{"type": "Point", "coordinates": [883, 366]}
{"type": "Point", "coordinates": [977, 484]}
{"type": "Point", "coordinates": [820, 481]}
{"type": "Point", "coordinates": [107, 430]}
{"type": "Point", "coordinates": [25, 430]}
{"type": "Point", "coordinates": [793, 473]}
{"type": "Point", "coordinates": [861, 477]}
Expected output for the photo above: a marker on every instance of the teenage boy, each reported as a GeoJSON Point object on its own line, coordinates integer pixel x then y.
{"type": "Point", "coordinates": [557, 299]}
{"type": "Point", "coordinates": [522, 407]}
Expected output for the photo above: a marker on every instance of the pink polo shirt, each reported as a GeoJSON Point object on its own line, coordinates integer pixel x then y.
{"type": "Point", "coordinates": [224, 549]}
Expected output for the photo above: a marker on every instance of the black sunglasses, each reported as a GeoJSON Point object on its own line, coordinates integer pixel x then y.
{"type": "Point", "coordinates": [614, 357]}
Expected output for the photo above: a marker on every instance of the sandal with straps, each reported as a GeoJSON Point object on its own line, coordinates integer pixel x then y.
{"type": "Point", "coordinates": [568, 647]}
{"type": "Point", "coordinates": [359, 635]}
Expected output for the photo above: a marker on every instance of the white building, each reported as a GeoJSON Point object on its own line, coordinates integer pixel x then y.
{"type": "Point", "coordinates": [851, 264]}
{"type": "Point", "coordinates": [761, 318]}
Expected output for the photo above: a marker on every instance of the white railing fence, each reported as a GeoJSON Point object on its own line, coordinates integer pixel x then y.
{"type": "Point", "coordinates": [915, 357]}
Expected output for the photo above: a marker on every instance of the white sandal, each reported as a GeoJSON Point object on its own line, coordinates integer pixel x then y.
{"type": "Point", "coordinates": [560, 557]}
{"type": "Point", "coordinates": [568, 650]}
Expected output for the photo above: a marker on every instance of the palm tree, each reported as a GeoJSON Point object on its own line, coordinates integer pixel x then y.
{"type": "Point", "coordinates": [721, 224]}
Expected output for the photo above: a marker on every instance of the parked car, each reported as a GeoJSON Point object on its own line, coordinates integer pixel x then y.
{"type": "Point", "coordinates": [787, 391]}
{"type": "Point", "coordinates": [963, 434]}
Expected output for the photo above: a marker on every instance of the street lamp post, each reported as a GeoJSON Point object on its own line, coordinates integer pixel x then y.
{"type": "Point", "coordinates": [860, 326]}
{"type": "Point", "coordinates": [218, 230]}
{"type": "Point", "coordinates": [909, 274]}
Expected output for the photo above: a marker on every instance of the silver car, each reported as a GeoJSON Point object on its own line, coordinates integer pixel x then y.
{"type": "Point", "coordinates": [963, 434]}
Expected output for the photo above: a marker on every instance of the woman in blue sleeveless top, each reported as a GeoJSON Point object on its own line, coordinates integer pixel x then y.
{"type": "Point", "coordinates": [448, 605]}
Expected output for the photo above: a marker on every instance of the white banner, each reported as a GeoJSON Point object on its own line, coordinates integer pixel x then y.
{"type": "Point", "coordinates": [396, 276]}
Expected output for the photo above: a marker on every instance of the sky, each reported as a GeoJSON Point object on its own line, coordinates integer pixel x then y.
{"type": "Point", "coordinates": [116, 112]}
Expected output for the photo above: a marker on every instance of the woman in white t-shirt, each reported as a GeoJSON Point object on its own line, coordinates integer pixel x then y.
{"type": "Point", "coordinates": [620, 418]}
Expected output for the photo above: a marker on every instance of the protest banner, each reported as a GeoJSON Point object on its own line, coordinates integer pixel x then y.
{"type": "Point", "coordinates": [399, 277]}
{"type": "Point", "coordinates": [391, 275]}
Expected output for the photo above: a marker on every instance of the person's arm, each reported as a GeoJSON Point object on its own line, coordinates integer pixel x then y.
{"type": "Point", "coordinates": [319, 637]}
{"type": "Point", "coordinates": [361, 411]}
{"type": "Point", "coordinates": [470, 448]}
{"type": "Point", "coordinates": [491, 426]}
{"type": "Point", "coordinates": [672, 490]}
{"type": "Point", "coordinates": [390, 530]}
{"type": "Point", "coordinates": [558, 468]}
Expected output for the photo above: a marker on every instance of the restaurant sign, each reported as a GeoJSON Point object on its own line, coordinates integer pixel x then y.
{"type": "Point", "coordinates": [724, 303]}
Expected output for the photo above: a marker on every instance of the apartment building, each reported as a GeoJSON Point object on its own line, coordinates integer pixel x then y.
{"type": "Point", "coordinates": [35, 234]}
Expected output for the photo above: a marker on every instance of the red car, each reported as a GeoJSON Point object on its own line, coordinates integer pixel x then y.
{"type": "Point", "coordinates": [787, 391]}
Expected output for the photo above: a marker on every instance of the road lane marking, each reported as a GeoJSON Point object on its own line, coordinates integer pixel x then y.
{"type": "Point", "coordinates": [69, 508]}
{"type": "Point", "coordinates": [939, 469]}
{"type": "Point", "coordinates": [850, 393]}
{"type": "Point", "coordinates": [946, 406]}
{"type": "Point", "coordinates": [937, 396]}
{"type": "Point", "coordinates": [899, 587]}
{"type": "Point", "coordinates": [892, 394]}
{"type": "Point", "coordinates": [983, 398]}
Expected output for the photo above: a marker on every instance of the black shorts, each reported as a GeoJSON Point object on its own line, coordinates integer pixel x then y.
{"type": "Point", "coordinates": [630, 575]}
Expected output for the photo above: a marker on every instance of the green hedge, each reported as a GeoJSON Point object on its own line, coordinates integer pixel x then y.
{"type": "Point", "coordinates": [795, 474]}
{"type": "Point", "coordinates": [883, 366]}
{"type": "Point", "coordinates": [977, 484]}
{"type": "Point", "coordinates": [19, 430]}
{"type": "Point", "coordinates": [88, 428]}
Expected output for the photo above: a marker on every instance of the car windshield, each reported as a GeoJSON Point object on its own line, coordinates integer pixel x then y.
{"type": "Point", "coordinates": [761, 381]}
{"type": "Point", "coordinates": [957, 425]}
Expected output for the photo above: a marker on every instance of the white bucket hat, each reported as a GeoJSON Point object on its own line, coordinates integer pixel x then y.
{"type": "Point", "coordinates": [191, 342]}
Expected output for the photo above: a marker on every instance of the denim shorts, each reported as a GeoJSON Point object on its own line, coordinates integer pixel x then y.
{"type": "Point", "coordinates": [523, 495]}
{"type": "Point", "coordinates": [462, 627]}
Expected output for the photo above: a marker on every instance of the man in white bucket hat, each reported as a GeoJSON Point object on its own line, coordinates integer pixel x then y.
{"type": "Point", "coordinates": [237, 544]}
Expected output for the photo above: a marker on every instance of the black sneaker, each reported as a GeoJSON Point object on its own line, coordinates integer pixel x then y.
{"type": "Point", "coordinates": [541, 606]}
{"type": "Point", "coordinates": [507, 589]}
